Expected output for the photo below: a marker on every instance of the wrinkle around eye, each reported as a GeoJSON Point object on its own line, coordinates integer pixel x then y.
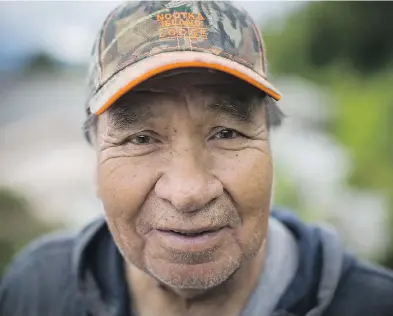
{"type": "Point", "coordinates": [106, 144]}
{"type": "Point", "coordinates": [107, 158]}
{"type": "Point", "coordinates": [110, 150]}
{"type": "Point", "coordinates": [128, 138]}
{"type": "Point", "coordinates": [260, 133]}
{"type": "Point", "coordinates": [255, 141]}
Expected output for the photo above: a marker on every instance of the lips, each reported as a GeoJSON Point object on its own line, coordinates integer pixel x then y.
{"type": "Point", "coordinates": [191, 241]}
{"type": "Point", "coordinates": [191, 232]}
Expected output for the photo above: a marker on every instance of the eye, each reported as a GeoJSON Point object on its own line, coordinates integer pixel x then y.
{"type": "Point", "coordinates": [142, 140]}
{"type": "Point", "coordinates": [226, 134]}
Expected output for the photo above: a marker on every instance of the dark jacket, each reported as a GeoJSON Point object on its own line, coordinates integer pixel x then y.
{"type": "Point", "coordinates": [81, 274]}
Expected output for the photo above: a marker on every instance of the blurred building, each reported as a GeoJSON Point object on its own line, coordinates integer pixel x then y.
{"type": "Point", "coordinates": [42, 145]}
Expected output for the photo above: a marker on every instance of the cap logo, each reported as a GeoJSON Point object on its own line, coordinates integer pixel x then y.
{"type": "Point", "coordinates": [182, 24]}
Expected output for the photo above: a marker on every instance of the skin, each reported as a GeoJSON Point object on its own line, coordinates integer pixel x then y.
{"type": "Point", "coordinates": [173, 156]}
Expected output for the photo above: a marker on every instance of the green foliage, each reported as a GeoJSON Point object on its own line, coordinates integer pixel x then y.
{"type": "Point", "coordinates": [347, 47]}
{"type": "Point", "coordinates": [355, 34]}
{"type": "Point", "coordinates": [41, 62]}
{"type": "Point", "coordinates": [364, 124]}
{"type": "Point", "coordinates": [17, 225]}
{"type": "Point", "coordinates": [286, 191]}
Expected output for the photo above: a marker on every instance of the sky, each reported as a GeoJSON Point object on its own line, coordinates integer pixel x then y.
{"type": "Point", "coordinates": [66, 29]}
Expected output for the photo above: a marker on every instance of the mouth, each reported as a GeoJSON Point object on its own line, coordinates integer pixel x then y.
{"type": "Point", "coordinates": [199, 235]}
{"type": "Point", "coordinates": [189, 240]}
{"type": "Point", "coordinates": [192, 232]}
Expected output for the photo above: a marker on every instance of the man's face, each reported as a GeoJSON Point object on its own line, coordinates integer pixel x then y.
{"type": "Point", "coordinates": [185, 176]}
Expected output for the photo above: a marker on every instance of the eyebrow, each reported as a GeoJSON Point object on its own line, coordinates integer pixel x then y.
{"type": "Point", "coordinates": [127, 112]}
{"type": "Point", "coordinates": [239, 110]}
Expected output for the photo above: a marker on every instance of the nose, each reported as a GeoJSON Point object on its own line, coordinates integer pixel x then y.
{"type": "Point", "coordinates": [187, 185]}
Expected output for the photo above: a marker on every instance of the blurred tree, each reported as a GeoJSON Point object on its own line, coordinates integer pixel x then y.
{"type": "Point", "coordinates": [41, 62]}
{"type": "Point", "coordinates": [348, 48]}
{"type": "Point", "coordinates": [17, 225]}
{"type": "Point", "coordinates": [355, 34]}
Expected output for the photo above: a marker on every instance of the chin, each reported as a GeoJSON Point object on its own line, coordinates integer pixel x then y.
{"type": "Point", "coordinates": [192, 278]}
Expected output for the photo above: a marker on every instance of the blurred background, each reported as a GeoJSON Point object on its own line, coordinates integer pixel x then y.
{"type": "Point", "coordinates": [332, 61]}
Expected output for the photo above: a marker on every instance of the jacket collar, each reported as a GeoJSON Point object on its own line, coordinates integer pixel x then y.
{"type": "Point", "coordinates": [301, 295]}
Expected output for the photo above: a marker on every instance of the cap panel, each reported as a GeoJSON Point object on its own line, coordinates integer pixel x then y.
{"type": "Point", "coordinates": [139, 31]}
{"type": "Point", "coordinates": [143, 29]}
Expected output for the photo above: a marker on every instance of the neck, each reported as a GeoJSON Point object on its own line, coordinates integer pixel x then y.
{"type": "Point", "coordinates": [228, 298]}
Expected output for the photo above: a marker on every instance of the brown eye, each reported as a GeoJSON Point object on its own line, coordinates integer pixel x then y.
{"type": "Point", "coordinates": [226, 134]}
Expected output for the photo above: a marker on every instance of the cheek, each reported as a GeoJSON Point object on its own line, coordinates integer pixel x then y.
{"type": "Point", "coordinates": [247, 176]}
{"type": "Point", "coordinates": [123, 186]}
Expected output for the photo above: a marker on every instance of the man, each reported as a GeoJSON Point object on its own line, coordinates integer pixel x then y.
{"type": "Point", "coordinates": [179, 114]}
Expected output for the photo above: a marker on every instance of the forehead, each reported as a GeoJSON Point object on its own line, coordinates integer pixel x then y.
{"type": "Point", "coordinates": [213, 93]}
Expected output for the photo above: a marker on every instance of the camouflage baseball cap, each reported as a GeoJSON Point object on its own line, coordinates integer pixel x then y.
{"type": "Point", "coordinates": [142, 39]}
